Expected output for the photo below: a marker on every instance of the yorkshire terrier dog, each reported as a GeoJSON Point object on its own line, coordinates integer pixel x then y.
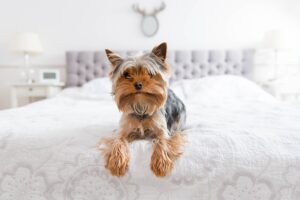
{"type": "Point", "coordinates": [150, 111]}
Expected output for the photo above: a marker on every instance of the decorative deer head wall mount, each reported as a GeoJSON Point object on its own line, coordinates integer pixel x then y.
{"type": "Point", "coordinates": [149, 23]}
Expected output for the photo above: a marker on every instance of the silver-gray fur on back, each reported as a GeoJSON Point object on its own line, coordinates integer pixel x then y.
{"type": "Point", "coordinates": [83, 66]}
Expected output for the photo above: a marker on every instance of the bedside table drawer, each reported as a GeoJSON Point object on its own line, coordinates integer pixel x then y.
{"type": "Point", "coordinates": [31, 91]}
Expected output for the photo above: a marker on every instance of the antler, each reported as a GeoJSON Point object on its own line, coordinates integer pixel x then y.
{"type": "Point", "coordinates": [137, 9]}
{"type": "Point", "coordinates": [160, 8]}
{"type": "Point", "coordinates": [143, 12]}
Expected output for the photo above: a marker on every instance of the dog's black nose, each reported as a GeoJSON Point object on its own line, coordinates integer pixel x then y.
{"type": "Point", "coordinates": [138, 85]}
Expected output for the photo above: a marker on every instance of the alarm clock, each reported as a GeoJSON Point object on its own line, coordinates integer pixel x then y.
{"type": "Point", "coordinates": [49, 76]}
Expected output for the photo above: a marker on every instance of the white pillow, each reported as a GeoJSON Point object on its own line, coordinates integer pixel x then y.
{"type": "Point", "coordinates": [220, 88]}
{"type": "Point", "coordinates": [96, 89]}
{"type": "Point", "coordinates": [96, 86]}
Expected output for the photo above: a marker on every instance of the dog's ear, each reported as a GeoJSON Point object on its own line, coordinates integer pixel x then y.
{"type": "Point", "coordinates": [113, 58]}
{"type": "Point", "coordinates": [160, 51]}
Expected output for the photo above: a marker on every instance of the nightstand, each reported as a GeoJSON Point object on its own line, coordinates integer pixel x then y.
{"type": "Point", "coordinates": [284, 89]}
{"type": "Point", "coordinates": [33, 91]}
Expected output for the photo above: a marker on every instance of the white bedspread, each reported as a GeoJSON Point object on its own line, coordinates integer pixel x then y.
{"type": "Point", "coordinates": [242, 144]}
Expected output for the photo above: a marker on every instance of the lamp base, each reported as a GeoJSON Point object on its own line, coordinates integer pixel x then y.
{"type": "Point", "coordinates": [27, 76]}
{"type": "Point", "coordinates": [29, 81]}
{"type": "Point", "coordinates": [28, 72]}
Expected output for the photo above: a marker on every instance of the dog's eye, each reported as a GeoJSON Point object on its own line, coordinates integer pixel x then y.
{"type": "Point", "coordinates": [126, 75]}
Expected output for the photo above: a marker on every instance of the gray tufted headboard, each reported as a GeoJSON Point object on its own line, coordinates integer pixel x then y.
{"type": "Point", "coordinates": [83, 66]}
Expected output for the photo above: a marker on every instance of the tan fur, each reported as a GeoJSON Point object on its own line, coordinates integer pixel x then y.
{"type": "Point", "coordinates": [146, 101]}
{"type": "Point", "coordinates": [153, 93]}
{"type": "Point", "coordinates": [166, 151]}
{"type": "Point", "coordinates": [116, 155]}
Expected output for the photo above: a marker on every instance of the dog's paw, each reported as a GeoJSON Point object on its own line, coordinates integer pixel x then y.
{"type": "Point", "coordinates": [161, 166]}
{"type": "Point", "coordinates": [117, 165]}
{"type": "Point", "coordinates": [117, 160]}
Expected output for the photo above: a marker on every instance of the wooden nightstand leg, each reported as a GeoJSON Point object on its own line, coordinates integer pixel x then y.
{"type": "Point", "coordinates": [13, 98]}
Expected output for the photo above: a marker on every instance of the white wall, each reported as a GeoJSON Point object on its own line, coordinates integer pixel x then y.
{"type": "Point", "coordinates": [97, 24]}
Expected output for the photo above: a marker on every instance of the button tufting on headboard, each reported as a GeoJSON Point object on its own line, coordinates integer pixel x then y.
{"type": "Point", "coordinates": [83, 66]}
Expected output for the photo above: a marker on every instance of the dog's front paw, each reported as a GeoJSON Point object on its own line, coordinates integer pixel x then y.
{"type": "Point", "coordinates": [117, 165]}
{"type": "Point", "coordinates": [117, 160]}
{"type": "Point", "coordinates": [161, 165]}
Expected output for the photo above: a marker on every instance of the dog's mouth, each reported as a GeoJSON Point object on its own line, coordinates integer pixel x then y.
{"type": "Point", "coordinates": [140, 93]}
{"type": "Point", "coordinates": [140, 102]}
{"type": "Point", "coordinates": [144, 93]}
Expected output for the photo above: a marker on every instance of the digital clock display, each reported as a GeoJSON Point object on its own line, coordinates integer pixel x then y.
{"type": "Point", "coordinates": [48, 75]}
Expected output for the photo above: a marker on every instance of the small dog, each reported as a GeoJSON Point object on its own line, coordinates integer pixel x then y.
{"type": "Point", "coordinates": [150, 111]}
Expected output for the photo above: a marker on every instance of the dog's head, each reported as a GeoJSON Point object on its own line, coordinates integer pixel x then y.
{"type": "Point", "coordinates": [139, 83]}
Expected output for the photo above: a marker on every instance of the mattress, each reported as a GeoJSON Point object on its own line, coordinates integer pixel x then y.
{"type": "Point", "coordinates": [241, 144]}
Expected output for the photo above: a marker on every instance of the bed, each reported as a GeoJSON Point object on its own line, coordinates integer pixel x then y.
{"type": "Point", "coordinates": [242, 143]}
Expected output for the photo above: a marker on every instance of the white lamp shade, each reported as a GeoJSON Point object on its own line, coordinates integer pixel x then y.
{"type": "Point", "coordinates": [274, 39]}
{"type": "Point", "coordinates": [281, 39]}
{"type": "Point", "coordinates": [29, 43]}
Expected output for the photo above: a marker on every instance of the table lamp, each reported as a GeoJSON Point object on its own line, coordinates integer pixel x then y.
{"type": "Point", "coordinates": [274, 39]}
{"type": "Point", "coordinates": [27, 44]}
